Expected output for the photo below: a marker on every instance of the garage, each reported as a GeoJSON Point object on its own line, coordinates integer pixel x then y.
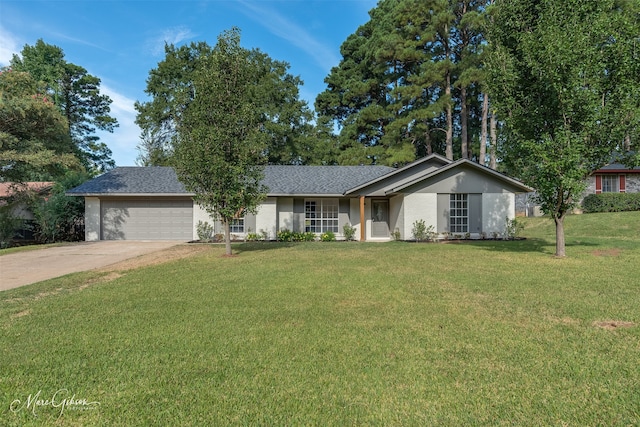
{"type": "Point", "coordinates": [146, 218]}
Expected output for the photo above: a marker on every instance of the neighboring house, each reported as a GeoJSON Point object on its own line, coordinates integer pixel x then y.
{"type": "Point", "coordinates": [10, 197]}
{"type": "Point", "coordinates": [614, 178]}
{"type": "Point", "coordinates": [460, 197]}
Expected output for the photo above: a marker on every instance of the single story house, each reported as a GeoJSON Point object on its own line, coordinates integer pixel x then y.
{"type": "Point", "coordinates": [457, 197]}
{"type": "Point", "coordinates": [614, 178]}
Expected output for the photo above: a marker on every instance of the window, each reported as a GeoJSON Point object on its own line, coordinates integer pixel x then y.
{"type": "Point", "coordinates": [458, 213]}
{"type": "Point", "coordinates": [237, 225]}
{"type": "Point", "coordinates": [610, 183]}
{"type": "Point", "coordinates": [321, 215]}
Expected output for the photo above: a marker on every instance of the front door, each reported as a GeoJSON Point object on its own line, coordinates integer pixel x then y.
{"type": "Point", "coordinates": [380, 218]}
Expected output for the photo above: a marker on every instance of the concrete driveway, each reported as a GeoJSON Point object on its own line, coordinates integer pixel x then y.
{"type": "Point", "coordinates": [23, 268]}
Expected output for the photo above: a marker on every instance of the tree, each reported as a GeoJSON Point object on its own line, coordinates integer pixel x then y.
{"type": "Point", "coordinates": [77, 94]}
{"type": "Point", "coordinates": [566, 80]}
{"type": "Point", "coordinates": [59, 217]}
{"type": "Point", "coordinates": [34, 136]}
{"type": "Point", "coordinates": [285, 118]}
{"type": "Point", "coordinates": [408, 82]}
{"type": "Point", "coordinates": [222, 138]}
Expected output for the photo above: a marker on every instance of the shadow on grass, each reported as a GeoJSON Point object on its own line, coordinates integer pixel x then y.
{"type": "Point", "coordinates": [524, 246]}
{"type": "Point", "coordinates": [261, 246]}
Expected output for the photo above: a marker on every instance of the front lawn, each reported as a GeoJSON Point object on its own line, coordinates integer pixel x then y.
{"type": "Point", "coordinates": [474, 333]}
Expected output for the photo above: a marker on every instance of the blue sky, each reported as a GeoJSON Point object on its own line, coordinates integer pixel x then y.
{"type": "Point", "coordinates": [121, 41]}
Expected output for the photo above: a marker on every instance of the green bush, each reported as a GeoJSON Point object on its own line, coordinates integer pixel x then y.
{"type": "Point", "coordinates": [204, 231]}
{"type": "Point", "coordinates": [328, 236]}
{"type": "Point", "coordinates": [421, 232]}
{"type": "Point", "coordinates": [9, 226]}
{"type": "Point", "coordinates": [349, 232]}
{"type": "Point", "coordinates": [611, 202]}
{"type": "Point", "coordinates": [285, 235]}
{"type": "Point", "coordinates": [513, 227]}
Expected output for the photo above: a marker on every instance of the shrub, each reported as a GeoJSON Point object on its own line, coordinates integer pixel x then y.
{"type": "Point", "coordinates": [396, 234]}
{"type": "Point", "coordinates": [421, 232]}
{"type": "Point", "coordinates": [9, 226]}
{"type": "Point", "coordinates": [512, 229]}
{"type": "Point", "coordinates": [204, 230]}
{"type": "Point", "coordinates": [285, 235]}
{"type": "Point", "coordinates": [308, 236]}
{"type": "Point", "coordinates": [328, 236]}
{"type": "Point", "coordinates": [611, 202]}
{"type": "Point", "coordinates": [349, 232]}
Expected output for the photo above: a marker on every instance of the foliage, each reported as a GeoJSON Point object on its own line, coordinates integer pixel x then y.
{"type": "Point", "coordinates": [286, 235]}
{"type": "Point", "coordinates": [222, 142]}
{"type": "Point", "coordinates": [77, 95]}
{"type": "Point", "coordinates": [611, 202]}
{"type": "Point", "coordinates": [566, 78]}
{"type": "Point", "coordinates": [328, 236]}
{"type": "Point", "coordinates": [292, 330]}
{"type": "Point", "coordinates": [9, 226]}
{"type": "Point", "coordinates": [397, 236]}
{"type": "Point", "coordinates": [34, 140]}
{"type": "Point", "coordinates": [286, 120]}
{"type": "Point", "coordinates": [59, 217]}
{"type": "Point", "coordinates": [409, 82]}
{"type": "Point", "coordinates": [205, 231]}
{"type": "Point", "coordinates": [349, 232]}
{"type": "Point", "coordinates": [421, 232]}
{"type": "Point", "coordinates": [513, 228]}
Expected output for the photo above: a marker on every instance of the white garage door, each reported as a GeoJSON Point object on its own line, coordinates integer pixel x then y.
{"type": "Point", "coordinates": [147, 219]}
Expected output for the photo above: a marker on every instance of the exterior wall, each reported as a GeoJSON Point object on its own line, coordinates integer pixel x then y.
{"type": "Point", "coordinates": [463, 180]}
{"type": "Point", "coordinates": [354, 215]}
{"type": "Point", "coordinates": [285, 214]}
{"type": "Point", "coordinates": [633, 183]}
{"type": "Point", "coordinates": [91, 219]}
{"type": "Point", "coordinates": [495, 209]}
{"type": "Point", "coordinates": [267, 217]}
{"type": "Point", "coordinates": [419, 206]}
{"type": "Point", "coordinates": [199, 214]}
{"type": "Point", "coordinates": [396, 215]}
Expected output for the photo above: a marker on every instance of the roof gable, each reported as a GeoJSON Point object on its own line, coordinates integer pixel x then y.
{"type": "Point", "coordinates": [459, 165]}
{"type": "Point", "coordinates": [404, 174]}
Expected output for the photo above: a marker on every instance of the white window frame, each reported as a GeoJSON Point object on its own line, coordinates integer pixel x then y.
{"type": "Point", "coordinates": [236, 225]}
{"type": "Point", "coordinates": [458, 213]}
{"type": "Point", "coordinates": [610, 183]}
{"type": "Point", "coordinates": [321, 215]}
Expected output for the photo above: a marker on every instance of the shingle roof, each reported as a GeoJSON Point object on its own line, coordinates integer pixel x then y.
{"type": "Point", "coordinates": [133, 180]}
{"type": "Point", "coordinates": [307, 180]}
{"type": "Point", "coordinates": [281, 180]}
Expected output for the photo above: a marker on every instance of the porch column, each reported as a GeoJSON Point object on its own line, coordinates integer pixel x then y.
{"type": "Point", "coordinates": [363, 233]}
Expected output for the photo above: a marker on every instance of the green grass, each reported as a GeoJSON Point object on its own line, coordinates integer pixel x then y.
{"type": "Point", "coordinates": [483, 333]}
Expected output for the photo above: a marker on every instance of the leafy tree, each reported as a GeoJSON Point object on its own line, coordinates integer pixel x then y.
{"type": "Point", "coordinates": [408, 82]}
{"type": "Point", "coordinates": [59, 217]}
{"type": "Point", "coordinates": [34, 136]}
{"type": "Point", "coordinates": [222, 135]}
{"type": "Point", "coordinates": [77, 94]}
{"type": "Point", "coordinates": [566, 77]}
{"type": "Point", "coordinates": [284, 117]}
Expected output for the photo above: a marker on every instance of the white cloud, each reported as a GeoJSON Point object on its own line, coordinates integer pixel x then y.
{"type": "Point", "coordinates": [8, 46]}
{"type": "Point", "coordinates": [125, 138]}
{"type": "Point", "coordinates": [173, 36]}
{"type": "Point", "coordinates": [292, 33]}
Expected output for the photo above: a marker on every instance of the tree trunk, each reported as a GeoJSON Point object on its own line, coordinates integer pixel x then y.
{"type": "Point", "coordinates": [560, 247]}
{"type": "Point", "coordinates": [427, 140]}
{"type": "Point", "coordinates": [227, 236]}
{"type": "Point", "coordinates": [447, 91]}
{"type": "Point", "coordinates": [494, 141]}
{"type": "Point", "coordinates": [483, 130]}
{"type": "Point", "coordinates": [464, 135]}
{"type": "Point", "coordinates": [627, 143]}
